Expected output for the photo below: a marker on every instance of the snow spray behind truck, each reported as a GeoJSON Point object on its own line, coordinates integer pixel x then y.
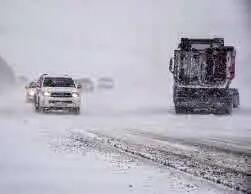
{"type": "Point", "coordinates": [203, 70]}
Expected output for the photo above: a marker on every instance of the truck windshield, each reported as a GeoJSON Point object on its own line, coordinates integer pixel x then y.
{"type": "Point", "coordinates": [58, 82]}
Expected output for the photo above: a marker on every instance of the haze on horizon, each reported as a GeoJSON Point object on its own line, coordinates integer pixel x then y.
{"type": "Point", "coordinates": [112, 38]}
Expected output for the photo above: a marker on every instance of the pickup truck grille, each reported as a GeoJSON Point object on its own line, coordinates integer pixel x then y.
{"type": "Point", "coordinates": [60, 102]}
{"type": "Point", "coordinates": [61, 94]}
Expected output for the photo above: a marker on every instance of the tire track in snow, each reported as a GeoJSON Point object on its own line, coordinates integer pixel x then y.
{"type": "Point", "coordinates": [226, 176]}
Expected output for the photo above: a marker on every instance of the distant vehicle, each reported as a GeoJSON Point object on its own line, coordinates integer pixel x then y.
{"type": "Point", "coordinates": [85, 84]}
{"type": "Point", "coordinates": [203, 70]}
{"type": "Point", "coordinates": [105, 83]}
{"type": "Point", "coordinates": [78, 85]}
{"type": "Point", "coordinates": [57, 93]}
{"type": "Point", "coordinates": [30, 90]}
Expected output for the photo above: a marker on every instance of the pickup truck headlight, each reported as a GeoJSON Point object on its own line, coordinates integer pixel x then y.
{"type": "Point", "coordinates": [46, 93]}
{"type": "Point", "coordinates": [31, 93]}
{"type": "Point", "coordinates": [75, 94]}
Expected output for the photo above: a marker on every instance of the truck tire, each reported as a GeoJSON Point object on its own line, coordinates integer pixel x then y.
{"type": "Point", "coordinates": [229, 108]}
{"type": "Point", "coordinates": [36, 107]}
{"type": "Point", "coordinates": [236, 97]}
{"type": "Point", "coordinates": [228, 102]}
{"type": "Point", "coordinates": [226, 109]}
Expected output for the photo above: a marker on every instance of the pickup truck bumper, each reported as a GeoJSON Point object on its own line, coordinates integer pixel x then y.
{"type": "Point", "coordinates": [60, 103]}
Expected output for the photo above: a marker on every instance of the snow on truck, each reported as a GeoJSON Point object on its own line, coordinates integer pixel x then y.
{"type": "Point", "coordinates": [203, 70]}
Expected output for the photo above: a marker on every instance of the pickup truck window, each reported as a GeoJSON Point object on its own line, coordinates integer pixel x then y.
{"type": "Point", "coordinates": [58, 82]}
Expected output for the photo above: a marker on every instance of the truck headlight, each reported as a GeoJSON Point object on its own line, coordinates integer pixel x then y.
{"type": "Point", "coordinates": [46, 93]}
{"type": "Point", "coordinates": [75, 94]}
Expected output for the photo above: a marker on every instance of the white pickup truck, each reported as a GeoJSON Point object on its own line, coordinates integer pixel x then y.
{"type": "Point", "coordinates": [57, 93]}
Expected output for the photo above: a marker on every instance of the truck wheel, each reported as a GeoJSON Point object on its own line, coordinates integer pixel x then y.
{"type": "Point", "coordinates": [229, 108]}
{"type": "Point", "coordinates": [229, 102]}
{"type": "Point", "coordinates": [235, 102]}
{"type": "Point", "coordinates": [236, 97]}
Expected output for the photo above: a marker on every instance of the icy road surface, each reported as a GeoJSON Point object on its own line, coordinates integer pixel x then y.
{"type": "Point", "coordinates": [33, 160]}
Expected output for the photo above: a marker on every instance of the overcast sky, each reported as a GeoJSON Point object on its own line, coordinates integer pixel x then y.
{"type": "Point", "coordinates": [114, 37]}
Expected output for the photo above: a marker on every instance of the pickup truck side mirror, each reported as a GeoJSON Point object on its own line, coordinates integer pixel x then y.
{"type": "Point", "coordinates": [79, 86]}
{"type": "Point", "coordinates": [37, 85]}
{"type": "Point", "coordinates": [171, 66]}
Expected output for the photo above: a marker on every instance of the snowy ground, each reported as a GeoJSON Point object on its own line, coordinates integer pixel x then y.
{"type": "Point", "coordinates": [36, 156]}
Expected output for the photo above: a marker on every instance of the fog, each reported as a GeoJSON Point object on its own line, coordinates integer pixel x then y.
{"type": "Point", "coordinates": [132, 42]}
{"type": "Point", "coordinates": [7, 76]}
{"type": "Point", "coordinates": [248, 4]}
{"type": "Point", "coordinates": [129, 40]}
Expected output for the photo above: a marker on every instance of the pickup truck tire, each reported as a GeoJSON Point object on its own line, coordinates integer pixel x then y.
{"type": "Point", "coordinates": [43, 110]}
{"type": "Point", "coordinates": [37, 107]}
{"type": "Point", "coordinates": [76, 110]}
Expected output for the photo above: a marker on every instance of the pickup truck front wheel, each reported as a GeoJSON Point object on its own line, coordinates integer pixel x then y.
{"type": "Point", "coordinates": [76, 110]}
{"type": "Point", "coordinates": [37, 106]}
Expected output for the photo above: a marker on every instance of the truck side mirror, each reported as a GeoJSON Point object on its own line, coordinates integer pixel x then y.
{"type": "Point", "coordinates": [171, 66]}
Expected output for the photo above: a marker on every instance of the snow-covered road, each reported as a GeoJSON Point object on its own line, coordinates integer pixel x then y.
{"type": "Point", "coordinates": [32, 159]}
{"type": "Point", "coordinates": [125, 140]}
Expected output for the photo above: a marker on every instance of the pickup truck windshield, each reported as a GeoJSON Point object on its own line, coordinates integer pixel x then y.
{"type": "Point", "coordinates": [58, 82]}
